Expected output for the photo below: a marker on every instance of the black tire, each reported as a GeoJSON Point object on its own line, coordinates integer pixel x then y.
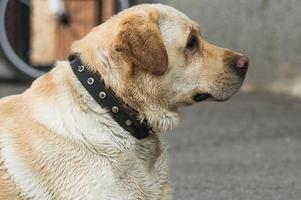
{"type": "Point", "coordinates": [25, 70]}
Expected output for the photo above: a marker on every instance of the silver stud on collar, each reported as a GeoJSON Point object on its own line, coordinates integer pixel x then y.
{"type": "Point", "coordinates": [115, 109]}
{"type": "Point", "coordinates": [90, 81]}
{"type": "Point", "coordinates": [102, 95]}
{"type": "Point", "coordinates": [128, 122]}
{"type": "Point", "coordinates": [81, 68]}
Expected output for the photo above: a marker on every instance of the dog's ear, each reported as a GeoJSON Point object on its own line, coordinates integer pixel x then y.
{"type": "Point", "coordinates": [139, 40]}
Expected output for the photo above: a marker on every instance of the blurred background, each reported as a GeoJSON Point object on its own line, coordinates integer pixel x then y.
{"type": "Point", "coordinates": [246, 148]}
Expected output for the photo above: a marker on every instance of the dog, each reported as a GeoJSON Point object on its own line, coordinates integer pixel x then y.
{"type": "Point", "coordinates": [57, 141]}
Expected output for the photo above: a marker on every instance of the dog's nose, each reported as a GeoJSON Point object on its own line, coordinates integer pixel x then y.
{"type": "Point", "coordinates": [242, 64]}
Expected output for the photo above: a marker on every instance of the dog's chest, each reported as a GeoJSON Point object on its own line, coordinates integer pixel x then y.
{"type": "Point", "coordinates": [139, 173]}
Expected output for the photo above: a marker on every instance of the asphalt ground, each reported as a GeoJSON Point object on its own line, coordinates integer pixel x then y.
{"type": "Point", "coordinates": [248, 148]}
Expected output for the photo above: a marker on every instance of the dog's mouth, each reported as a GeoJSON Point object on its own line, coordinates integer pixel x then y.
{"type": "Point", "coordinates": [201, 97]}
{"type": "Point", "coordinates": [206, 96]}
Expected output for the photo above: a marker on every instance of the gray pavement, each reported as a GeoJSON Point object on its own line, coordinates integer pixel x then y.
{"type": "Point", "coordinates": [248, 148]}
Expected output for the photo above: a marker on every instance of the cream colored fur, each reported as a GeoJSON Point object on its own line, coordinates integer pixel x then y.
{"type": "Point", "coordinates": [56, 142]}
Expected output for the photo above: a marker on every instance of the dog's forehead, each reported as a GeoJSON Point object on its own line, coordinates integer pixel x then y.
{"type": "Point", "coordinates": [174, 25]}
{"type": "Point", "coordinates": [170, 11]}
{"type": "Point", "coordinates": [174, 16]}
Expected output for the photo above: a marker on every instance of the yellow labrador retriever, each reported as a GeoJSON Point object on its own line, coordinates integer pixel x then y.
{"type": "Point", "coordinates": [89, 128]}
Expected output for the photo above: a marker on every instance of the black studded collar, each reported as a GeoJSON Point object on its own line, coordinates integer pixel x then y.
{"type": "Point", "coordinates": [105, 98]}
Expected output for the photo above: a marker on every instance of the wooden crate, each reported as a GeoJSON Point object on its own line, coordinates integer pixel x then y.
{"type": "Point", "coordinates": [51, 41]}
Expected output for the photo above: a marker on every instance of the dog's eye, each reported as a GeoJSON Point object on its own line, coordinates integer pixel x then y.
{"type": "Point", "coordinates": [192, 43]}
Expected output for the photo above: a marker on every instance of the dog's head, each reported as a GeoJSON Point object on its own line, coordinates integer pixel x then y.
{"type": "Point", "coordinates": [156, 60]}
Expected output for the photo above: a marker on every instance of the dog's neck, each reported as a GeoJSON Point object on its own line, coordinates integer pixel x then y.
{"type": "Point", "coordinates": [120, 140]}
{"type": "Point", "coordinates": [120, 112]}
{"type": "Point", "coordinates": [115, 73]}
